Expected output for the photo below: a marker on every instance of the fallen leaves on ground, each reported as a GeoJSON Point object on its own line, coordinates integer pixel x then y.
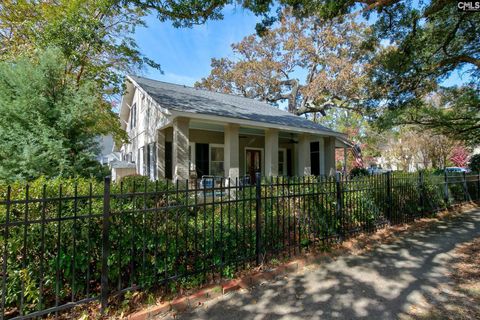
{"type": "Point", "coordinates": [463, 295]}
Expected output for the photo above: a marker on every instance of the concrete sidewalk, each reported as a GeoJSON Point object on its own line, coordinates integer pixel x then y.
{"type": "Point", "coordinates": [385, 283]}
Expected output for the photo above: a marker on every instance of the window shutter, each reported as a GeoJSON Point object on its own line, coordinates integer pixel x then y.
{"type": "Point", "coordinates": [168, 160]}
{"type": "Point", "coordinates": [202, 159]}
{"type": "Point", "coordinates": [315, 157]}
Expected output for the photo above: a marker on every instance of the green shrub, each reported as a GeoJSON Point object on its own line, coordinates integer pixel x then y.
{"type": "Point", "coordinates": [357, 172]}
{"type": "Point", "coordinates": [474, 163]}
{"type": "Point", "coordinates": [159, 231]}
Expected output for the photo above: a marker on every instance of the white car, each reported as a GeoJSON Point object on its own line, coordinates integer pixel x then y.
{"type": "Point", "coordinates": [456, 169]}
{"type": "Point", "coordinates": [376, 170]}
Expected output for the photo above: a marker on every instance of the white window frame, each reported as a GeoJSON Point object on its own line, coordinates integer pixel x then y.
{"type": "Point", "coordinates": [152, 155]}
{"type": "Point", "coordinates": [210, 146]}
{"type": "Point", "coordinates": [191, 165]}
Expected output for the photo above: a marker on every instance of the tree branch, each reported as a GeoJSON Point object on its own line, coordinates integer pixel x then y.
{"type": "Point", "coordinates": [459, 59]}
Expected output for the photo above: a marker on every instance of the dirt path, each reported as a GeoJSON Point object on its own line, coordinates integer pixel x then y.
{"type": "Point", "coordinates": [390, 282]}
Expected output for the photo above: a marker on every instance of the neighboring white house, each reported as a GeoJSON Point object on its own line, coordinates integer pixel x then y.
{"type": "Point", "coordinates": [105, 153]}
{"type": "Point", "coordinates": [179, 132]}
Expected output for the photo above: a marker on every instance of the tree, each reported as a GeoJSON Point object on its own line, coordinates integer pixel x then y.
{"type": "Point", "coordinates": [358, 130]}
{"type": "Point", "coordinates": [460, 156]}
{"type": "Point", "coordinates": [431, 34]}
{"type": "Point", "coordinates": [331, 57]}
{"type": "Point", "coordinates": [474, 163]}
{"type": "Point", "coordinates": [48, 122]}
{"type": "Point", "coordinates": [424, 42]}
{"type": "Point", "coordinates": [413, 146]}
{"type": "Point", "coordinates": [94, 37]}
{"type": "Point", "coordinates": [454, 112]}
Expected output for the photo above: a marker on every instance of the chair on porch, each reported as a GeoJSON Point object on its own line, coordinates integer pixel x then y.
{"type": "Point", "coordinates": [244, 181]}
{"type": "Point", "coordinates": [211, 186]}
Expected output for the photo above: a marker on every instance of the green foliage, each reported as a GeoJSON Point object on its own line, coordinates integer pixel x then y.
{"type": "Point", "coordinates": [429, 41]}
{"type": "Point", "coordinates": [474, 163]}
{"type": "Point", "coordinates": [159, 231]}
{"type": "Point", "coordinates": [48, 123]}
{"type": "Point", "coordinates": [86, 232]}
{"type": "Point", "coordinates": [185, 13]}
{"type": "Point", "coordinates": [452, 112]}
{"type": "Point", "coordinates": [357, 172]}
{"type": "Point", "coordinates": [95, 38]}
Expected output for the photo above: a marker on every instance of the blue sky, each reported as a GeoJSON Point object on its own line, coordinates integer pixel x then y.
{"type": "Point", "coordinates": [185, 53]}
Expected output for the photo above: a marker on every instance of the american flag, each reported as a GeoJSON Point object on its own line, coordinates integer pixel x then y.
{"type": "Point", "coordinates": [357, 152]}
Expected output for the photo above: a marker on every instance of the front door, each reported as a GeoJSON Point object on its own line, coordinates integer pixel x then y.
{"type": "Point", "coordinates": [254, 163]}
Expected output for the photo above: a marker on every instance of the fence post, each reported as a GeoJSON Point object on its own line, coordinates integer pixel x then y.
{"type": "Point", "coordinates": [422, 191]}
{"type": "Point", "coordinates": [465, 187]}
{"type": "Point", "coordinates": [5, 250]}
{"type": "Point", "coordinates": [258, 218]}
{"type": "Point", "coordinates": [478, 186]}
{"type": "Point", "coordinates": [445, 193]}
{"type": "Point", "coordinates": [339, 208]}
{"type": "Point", "coordinates": [105, 244]}
{"type": "Point", "coordinates": [389, 197]}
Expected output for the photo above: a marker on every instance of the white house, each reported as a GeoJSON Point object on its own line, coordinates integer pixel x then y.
{"type": "Point", "coordinates": [179, 132]}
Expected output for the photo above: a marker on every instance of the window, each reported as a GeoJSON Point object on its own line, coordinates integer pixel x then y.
{"type": "Point", "coordinates": [151, 161]}
{"type": "Point", "coordinates": [217, 160]}
{"type": "Point", "coordinates": [133, 116]}
{"type": "Point", "coordinates": [282, 162]}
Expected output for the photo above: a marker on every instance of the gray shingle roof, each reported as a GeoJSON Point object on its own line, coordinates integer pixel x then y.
{"type": "Point", "coordinates": [187, 99]}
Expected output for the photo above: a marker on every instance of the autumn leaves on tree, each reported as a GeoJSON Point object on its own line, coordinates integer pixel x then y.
{"type": "Point", "coordinates": [331, 56]}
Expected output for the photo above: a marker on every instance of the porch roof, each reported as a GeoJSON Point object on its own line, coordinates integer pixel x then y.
{"type": "Point", "coordinates": [197, 101]}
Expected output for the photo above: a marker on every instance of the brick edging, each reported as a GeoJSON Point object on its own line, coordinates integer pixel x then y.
{"type": "Point", "coordinates": [192, 301]}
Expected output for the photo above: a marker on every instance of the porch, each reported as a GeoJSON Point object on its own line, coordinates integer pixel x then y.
{"type": "Point", "coordinates": [194, 149]}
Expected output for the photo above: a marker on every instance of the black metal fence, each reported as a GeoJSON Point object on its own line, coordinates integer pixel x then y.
{"type": "Point", "coordinates": [65, 245]}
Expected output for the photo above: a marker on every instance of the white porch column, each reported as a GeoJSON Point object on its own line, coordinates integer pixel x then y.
{"type": "Point", "coordinates": [232, 149]}
{"type": "Point", "coordinates": [180, 145]}
{"type": "Point", "coordinates": [160, 143]}
{"type": "Point", "coordinates": [330, 156]}
{"type": "Point", "coordinates": [271, 152]}
{"type": "Point", "coordinates": [345, 158]}
{"type": "Point", "coordinates": [303, 156]}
